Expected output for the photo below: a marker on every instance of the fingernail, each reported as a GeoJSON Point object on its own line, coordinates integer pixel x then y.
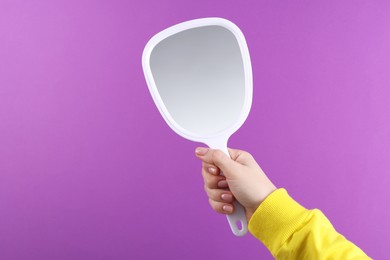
{"type": "Point", "coordinates": [222, 184]}
{"type": "Point", "coordinates": [227, 208]}
{"type": "Point", "coordinates": [212, 170]}
{"type": "Point", "coordinates": [227, 197]}
{"type": "Point", "coordinates": [201, 150]}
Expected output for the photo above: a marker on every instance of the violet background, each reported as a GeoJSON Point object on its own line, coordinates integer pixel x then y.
{"type": "Point", "coordinates": [90, 170]}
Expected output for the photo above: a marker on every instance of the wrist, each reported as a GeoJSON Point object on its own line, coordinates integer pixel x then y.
{"type": "Point", "coordinates": [263, 196]}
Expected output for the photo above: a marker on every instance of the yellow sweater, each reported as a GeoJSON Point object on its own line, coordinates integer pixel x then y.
{"type": "Point", "coordinates": [290, 231]}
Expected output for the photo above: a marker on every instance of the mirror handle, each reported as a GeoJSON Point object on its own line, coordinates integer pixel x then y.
{"type": "Point", "coordinates": [237, 220]}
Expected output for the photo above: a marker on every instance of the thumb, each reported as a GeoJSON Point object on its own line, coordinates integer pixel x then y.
{"type": "Point", "coordinates": [224, 163]}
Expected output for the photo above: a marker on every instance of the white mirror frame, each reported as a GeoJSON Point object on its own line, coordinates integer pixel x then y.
{"type": "Point", "coordinates": [247, 71]}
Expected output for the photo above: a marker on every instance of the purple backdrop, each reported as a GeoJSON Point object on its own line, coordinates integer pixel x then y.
{"type": "Point", "coordinates": [90, 170]}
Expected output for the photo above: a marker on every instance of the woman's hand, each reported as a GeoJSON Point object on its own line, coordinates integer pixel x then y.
{"type": "Point", "coordinates": [242, 179]}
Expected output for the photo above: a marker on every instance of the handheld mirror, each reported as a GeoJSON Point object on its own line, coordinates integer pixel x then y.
{"type": "Point", "coordinates": [200, 77]}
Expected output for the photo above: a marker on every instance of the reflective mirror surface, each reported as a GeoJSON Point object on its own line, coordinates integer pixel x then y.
{"type": "Point", "coordinates": [200, 77]}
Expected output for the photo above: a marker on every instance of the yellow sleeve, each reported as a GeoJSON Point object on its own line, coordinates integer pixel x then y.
{"type": "Point", "coordinates": [290, 231]}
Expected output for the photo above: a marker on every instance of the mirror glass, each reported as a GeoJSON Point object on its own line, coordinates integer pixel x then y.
{"type": "Point", "coordinates": [199, 74]}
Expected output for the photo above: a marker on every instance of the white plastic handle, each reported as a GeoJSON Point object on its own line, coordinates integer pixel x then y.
{"type": "Point", "coordinates": [237, 220]}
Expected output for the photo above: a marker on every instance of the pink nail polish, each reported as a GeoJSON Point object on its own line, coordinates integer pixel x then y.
{"type": "Point", "coordinates": [227, 208]}
{"type": "Point", "coordinates": [226, 197]}
{"type": "Point", "coordinates": [222, 184]}
{"type": "Point", "coordinates": [201, 150]}
{"type": "Point", "coordinates": [212, 170]}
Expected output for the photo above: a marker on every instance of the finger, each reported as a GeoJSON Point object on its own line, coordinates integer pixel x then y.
{"type": "Point", "coordinates": [212, 181]}
{"type": "Point", "coordinates": [241, 156]}
{"type": "Point", "coordinates": [218, 158]}
{"type": "Point", "coordinates": [219, 195]}
{"type": "Point", "coordinates": [223, 162]}
{"type": "Point", "coordinates": [221, 207]}
{"type": "Point", "coordinates": [204, 154]}
{"type": "Point", "coordinates": [210, 168]}
{"type": "Point", "coordinates": [222, 184]}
